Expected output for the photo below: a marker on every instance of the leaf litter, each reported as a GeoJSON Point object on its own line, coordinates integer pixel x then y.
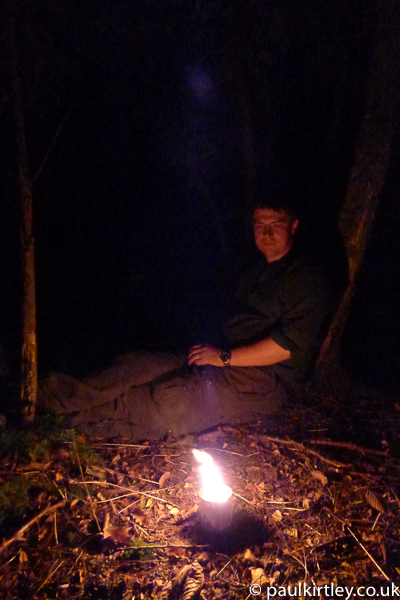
{"type": "Point", "coordinates": [100, 520]}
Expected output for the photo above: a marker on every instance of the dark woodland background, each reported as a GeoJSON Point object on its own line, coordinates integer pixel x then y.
{"type": "Point", "coordinates": [168, 112]}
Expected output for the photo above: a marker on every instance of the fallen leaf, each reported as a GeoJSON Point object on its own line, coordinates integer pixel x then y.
{"type": "Point", "coordinates": [373, 500]}
{"type": "Point", "coordinates": [118, 534]}
{"type": "Point", "coordinates": [203, 557]}
{"type": "Point", "coordinates": [383, 551]}
{"type": "Point", "coordinates": [272, 580]}
{"type": "Point", "coordinates": [43, 533]}
{"type": "Point", "coordinates": [174, 511]}
{"type": "Point", "coordinates": [139, 516]}
{"type": "Point", "coordinates": [34, 466]}
{"type": "Point", "coordinates": [250, 487]}
{"type": "Point", "coordinates": [97, 472]}
{"type": "Point", "coordinates": [258, 576]}
{"type": "Point", "coordinates": [320, 476]}
{"type": "Point", "coordinates": [193, 585]}
{"type": "Point", "coordinates": [164, 478]}
{"type": "Point", "coordinates": [277, 515]}
{"type": "Point", "coordinates": [248, 555]}
{"type": "Point", "coordinates": [177, 552]}
{"type": "Point", "coordinates": [292, 532]}
{"type": "Point", "coordinates": [115, 532]}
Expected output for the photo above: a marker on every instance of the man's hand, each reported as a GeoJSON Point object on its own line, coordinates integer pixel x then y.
{"type": "Point", "coordinates": [205, 355]}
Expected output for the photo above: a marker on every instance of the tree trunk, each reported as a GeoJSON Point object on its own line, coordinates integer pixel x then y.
{"type": "Point", "coordinates": [370, 165]}
{"type": "Point", "coordinates": [29, 349]}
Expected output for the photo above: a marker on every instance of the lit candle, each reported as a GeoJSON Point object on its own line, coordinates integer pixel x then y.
{"type": "Point", "coordinates": [215, 496]}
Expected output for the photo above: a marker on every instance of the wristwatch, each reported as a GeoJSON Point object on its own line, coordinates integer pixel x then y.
{"type": "Point", "coordinates": [225, 356]}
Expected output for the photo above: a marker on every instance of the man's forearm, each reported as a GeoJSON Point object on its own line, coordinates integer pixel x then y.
{"type": "Point", "coordinates": [263, 353]}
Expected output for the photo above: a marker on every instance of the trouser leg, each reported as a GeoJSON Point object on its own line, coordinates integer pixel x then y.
{"type": "Point", "coordinates": [65, 395]}
{"type": "Point", "coordinates": [196, 400]}
{"type": "Point", "coordinates": [136, 368]}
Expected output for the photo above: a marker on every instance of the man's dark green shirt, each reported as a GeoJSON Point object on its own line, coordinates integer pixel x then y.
{"type": "Point", "coordinates": [290, 301]}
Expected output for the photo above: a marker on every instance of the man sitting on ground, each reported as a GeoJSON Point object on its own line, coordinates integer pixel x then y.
{"type": "Point", "coordinates": [271, 343]}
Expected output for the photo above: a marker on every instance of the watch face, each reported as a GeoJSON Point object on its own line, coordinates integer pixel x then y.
{"type": "Point", "coordinates": [225, 356]}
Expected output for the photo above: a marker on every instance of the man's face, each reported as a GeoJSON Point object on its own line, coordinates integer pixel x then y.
{"type": "Point", "coordinates": [273, 232]}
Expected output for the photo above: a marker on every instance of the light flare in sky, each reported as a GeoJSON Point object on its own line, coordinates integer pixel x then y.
{"type": "Point", "coordinates": [200, 84]}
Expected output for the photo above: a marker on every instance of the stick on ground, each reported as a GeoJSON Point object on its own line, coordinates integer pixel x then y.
{"type": "Point", "coordinates": [20, 532]}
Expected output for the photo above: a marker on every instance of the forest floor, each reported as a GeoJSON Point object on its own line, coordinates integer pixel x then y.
{"type": "Point", "coordinates": [315, 503]}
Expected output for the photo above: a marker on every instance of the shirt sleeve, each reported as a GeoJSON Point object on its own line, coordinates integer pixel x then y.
{"type": "Point", "coordinates": [306, 305]}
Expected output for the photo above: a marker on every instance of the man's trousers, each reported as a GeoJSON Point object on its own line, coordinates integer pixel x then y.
{"type": "Point", "coordinates": [144, 396]}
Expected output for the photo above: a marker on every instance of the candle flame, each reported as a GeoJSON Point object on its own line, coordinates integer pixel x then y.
{"type": "Point", "coordinates": [214, 488]}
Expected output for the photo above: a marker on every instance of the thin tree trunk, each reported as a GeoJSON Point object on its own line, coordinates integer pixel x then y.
{"type": "Point", "coordinates": [370, 165]}
{"type": "Point", "coordinates": [29, 349]}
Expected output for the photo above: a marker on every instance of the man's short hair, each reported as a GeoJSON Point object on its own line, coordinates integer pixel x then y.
{"type": "Point", "coordinates": [274, 197]}
{"type": "Point", "coordinates": [276, 206]}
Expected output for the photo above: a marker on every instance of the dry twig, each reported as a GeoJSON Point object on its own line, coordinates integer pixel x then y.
{"type": "Point", "coordinates": [244, 499]}
{"type": "Point", "coordinates": [86, 487]}
{"type": "Point", "coordinates": [52, 572]}
{"type": "Point", "coordinates": [132, 493]}
{"type": "Point", "coordinates": [303, 448]}
{"type": "Point", "coordinates": [224, 567]}
{"type": "Point", "coordinates": [369, 556]}
{"type": "Point", "coordinates": [19, 533]}
{"type": "Point", "coordinates": [350, 446]}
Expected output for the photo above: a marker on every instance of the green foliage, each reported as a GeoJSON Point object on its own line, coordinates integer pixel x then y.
{"type": "Point", "coordinates": [41, 450]}
{"type": "Point", "coordinates": [72, 540]}
{"type": "Point", "coordinates": [38, 441]}
{"type": "Point", "coordinates": [14, 498]}
{"type": "Point", "coordinates": [35, 441]}
{"type": "Point", "coordinates": [139, 548]}
{"type": "Point", "coordinates": [16, 494]}
{"type": "Point", "coordinates": [86, 453]}
{"type": "Point", "coordinates": [79, 491]}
